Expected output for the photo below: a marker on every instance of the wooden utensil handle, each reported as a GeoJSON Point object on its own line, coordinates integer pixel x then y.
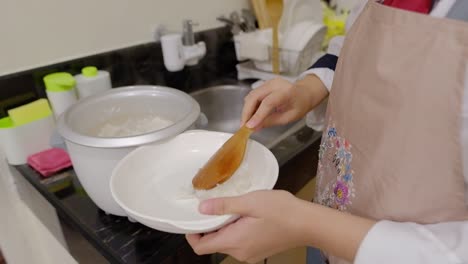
{"type": "Point", "coordinates": [275, 51]}
{"type": "Point", "coordinates": [246, 130]}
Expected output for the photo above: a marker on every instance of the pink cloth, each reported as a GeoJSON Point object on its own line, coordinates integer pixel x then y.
{"type": "Point", "coordinates": [421, 6]}
{"type": "Point", "coordinates": [49, 161]}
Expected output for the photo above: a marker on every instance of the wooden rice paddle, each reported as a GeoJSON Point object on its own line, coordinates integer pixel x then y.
{"type": "Point", "coordinates": [224, 162]}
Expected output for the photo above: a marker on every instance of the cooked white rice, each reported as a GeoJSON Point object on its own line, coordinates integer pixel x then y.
{"type": "Point", "coordinates": [240, 183]}
{"type": "Point", "coordinates": [132, 126]}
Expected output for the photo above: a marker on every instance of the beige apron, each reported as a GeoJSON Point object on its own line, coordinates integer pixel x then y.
{"type": "Point", "coordinates": [391, 149]}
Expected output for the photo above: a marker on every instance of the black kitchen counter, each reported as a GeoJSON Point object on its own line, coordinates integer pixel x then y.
{"type": "Point", "coordinates": [121, 241]}
{"type": "Point", "coordinates": [116, 238]}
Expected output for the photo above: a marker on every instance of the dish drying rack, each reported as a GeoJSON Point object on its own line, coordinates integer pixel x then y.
{"type": "Point", "coordinates": [255, 54]}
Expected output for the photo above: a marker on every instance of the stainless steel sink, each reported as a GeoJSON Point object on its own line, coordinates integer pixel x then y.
{"type": "Point", "coordinates": [222, 107]}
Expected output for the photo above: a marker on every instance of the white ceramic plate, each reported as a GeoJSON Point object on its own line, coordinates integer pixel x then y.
{"type": "Point", "coordinates": [153, 183]}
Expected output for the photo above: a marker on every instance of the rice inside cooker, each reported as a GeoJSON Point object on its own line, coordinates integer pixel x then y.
{"type": "Point", "coordinates": [131, 126]}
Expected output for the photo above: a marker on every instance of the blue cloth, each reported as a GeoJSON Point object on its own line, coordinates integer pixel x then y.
{"type": "Point", "coordinates": [314, 256]}
{"type": "Point", "coordinates": [459, 10]}
{"type": "Point", "coordinates": [326, 61]}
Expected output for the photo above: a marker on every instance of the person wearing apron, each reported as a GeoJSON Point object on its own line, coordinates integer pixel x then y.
{"type": "Point", "coordinates": [393, 162]}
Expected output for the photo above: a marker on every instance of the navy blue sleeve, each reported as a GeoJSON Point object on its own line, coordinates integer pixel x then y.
{"type": "Point", "coordinates": [326, 61]}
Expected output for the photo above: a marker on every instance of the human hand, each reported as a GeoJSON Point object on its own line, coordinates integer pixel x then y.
{"type": "Point", "coordinates": [278, 101]}
{"type": "Point", "coordinates": [267, 226]}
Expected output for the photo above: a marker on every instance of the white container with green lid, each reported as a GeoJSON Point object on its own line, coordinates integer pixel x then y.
{"type": "Point", "coordinates": [91, 81]}
{"type": "Point", "coordinates": [60, 89]}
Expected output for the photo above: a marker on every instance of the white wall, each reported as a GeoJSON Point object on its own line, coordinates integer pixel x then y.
{"type": "Point", "coordinates": [40, 32]}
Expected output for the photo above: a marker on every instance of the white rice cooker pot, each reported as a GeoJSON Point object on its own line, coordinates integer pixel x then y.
{"type": "Point", "coordinates": [95, 157]}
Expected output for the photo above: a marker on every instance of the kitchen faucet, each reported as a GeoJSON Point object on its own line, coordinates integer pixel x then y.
{"type": "Point", "coordinates": [188, 37]}
{"type": "Point", "coordinates": [180, 49]}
